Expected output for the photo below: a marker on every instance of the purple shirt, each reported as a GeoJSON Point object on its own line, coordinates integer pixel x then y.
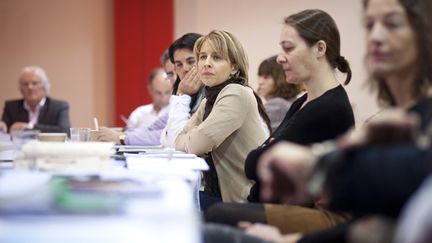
{"type": "Point", "coordinates": [147, 136]}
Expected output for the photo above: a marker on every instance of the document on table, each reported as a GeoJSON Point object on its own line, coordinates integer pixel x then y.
{"type": "Point", "coordinates": [8, 155]}
{"type": "Point", "coordinates": [26, 198]}
{"type": "Point", "coordinates": [136, 149]}
{"type": "Point", "coordinates": [7, 149]}
{"type": "Point", "coordinates": [183, 166]}
{"type": "Point", "coordinates": [5, 137]}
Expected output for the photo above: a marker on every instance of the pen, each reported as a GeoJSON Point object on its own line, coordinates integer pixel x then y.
{"type": "Point", "coordinates": [96, 124]}
{"type": "Point", "coordinates": [124, 119]}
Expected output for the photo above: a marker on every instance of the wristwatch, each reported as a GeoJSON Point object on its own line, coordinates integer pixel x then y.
{"type": "Point", "coordinates": [122, 138]}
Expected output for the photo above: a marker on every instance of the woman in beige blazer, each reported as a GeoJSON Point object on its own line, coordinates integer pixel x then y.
{"type": "Point", "coordinates": [229, 122]}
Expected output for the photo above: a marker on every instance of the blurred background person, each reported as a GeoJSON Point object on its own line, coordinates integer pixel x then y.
{"type": "Point", "coordinates": [36, 110]}
{"type": "Point", "coordinates": [149, 132]}
{"type": "Point", "coordinates": [160, 90]}
{"type": "Point", "coordinates": [277, 93]}
{"type": "Point", "coordinates": [167, 126]}
{"type": "Point", "coordinates": [168, 67]}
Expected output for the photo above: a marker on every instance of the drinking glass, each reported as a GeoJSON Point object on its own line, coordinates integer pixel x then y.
{"type": "Point", "coordinates": [79, 134]}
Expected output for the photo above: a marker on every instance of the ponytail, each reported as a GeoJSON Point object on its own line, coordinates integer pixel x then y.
{"type": "Point", "coordinates": [343, 66]}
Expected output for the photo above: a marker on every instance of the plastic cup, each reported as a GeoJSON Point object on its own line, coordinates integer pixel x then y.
{"type": "Point", "coordinates": [79, 134]}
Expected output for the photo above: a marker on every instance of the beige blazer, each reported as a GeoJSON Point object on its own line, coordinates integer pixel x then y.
{"type": "Point", "coordinates": [233, 128]}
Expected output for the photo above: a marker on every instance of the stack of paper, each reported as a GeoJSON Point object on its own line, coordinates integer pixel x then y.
{"type": "Point", "coordinates": [66, 156]}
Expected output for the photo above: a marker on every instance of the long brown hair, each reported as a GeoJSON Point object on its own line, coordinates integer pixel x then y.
{"type": "Point", "coordinates": [419, 13]}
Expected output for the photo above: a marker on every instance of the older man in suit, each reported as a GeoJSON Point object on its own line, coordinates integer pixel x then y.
{"type": "Point", "coordinates": [35, 110]}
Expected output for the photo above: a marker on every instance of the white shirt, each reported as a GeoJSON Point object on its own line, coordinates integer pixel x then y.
{"type": "Point", "coordinates": [179, 115]}
{"type": "Point", "coordinates": [144, 116]}
{"type": "Point", "coordinates": [33, 116]}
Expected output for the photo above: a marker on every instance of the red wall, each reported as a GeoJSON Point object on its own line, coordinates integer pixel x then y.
{"type": "Point", "coordinates": [143, 29]}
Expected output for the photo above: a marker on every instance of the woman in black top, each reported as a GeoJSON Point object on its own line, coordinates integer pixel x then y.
{"type": "Point", "coordinates": [311, 52]}
{"type": "Point", "coordinates": [376, 178]}
{"type": "Point", "coordinates": [324, 118]}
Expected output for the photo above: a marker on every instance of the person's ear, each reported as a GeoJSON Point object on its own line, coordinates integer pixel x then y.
{"type": "Point", "coordinates": [234, 69]}
{"type": "Point", "coordinates": [149, 89]}
{"type": "Point", "coordinates": [320, 48]}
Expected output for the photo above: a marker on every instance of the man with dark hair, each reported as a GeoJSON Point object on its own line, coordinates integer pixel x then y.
{"type": "Point", "coordinates": [188, 88]}
{"type": "Point", "coordinates": [162, 130]}
{"type": "Point", "coordinates": [168, 67]}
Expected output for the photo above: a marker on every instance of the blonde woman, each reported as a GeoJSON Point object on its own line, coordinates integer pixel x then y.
{"type": "Point", "coordinates": [228, 123]}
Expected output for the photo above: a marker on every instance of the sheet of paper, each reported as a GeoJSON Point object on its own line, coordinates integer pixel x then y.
{"type": "Point", "coordinates": [5, 137]}
{"type": "Point", "coordinates": [136, 149]}
{"type": "Point", "coordinates": [7, 155]}
{"type": "Point", "coordinates": [187, 162]}
{"type": "Point", "coordinates": [187, 169]}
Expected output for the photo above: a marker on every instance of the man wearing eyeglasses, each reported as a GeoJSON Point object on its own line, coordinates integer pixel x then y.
{"type": "Point", "coordinates": [169, 68]}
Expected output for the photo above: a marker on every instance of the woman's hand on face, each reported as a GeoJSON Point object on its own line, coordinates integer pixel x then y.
{"type": "Point", "coordinates": [190, 84]}
{"type": "Point", "coordinates": [284, 171]}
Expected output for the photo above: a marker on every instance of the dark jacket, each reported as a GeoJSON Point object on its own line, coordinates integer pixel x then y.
{"type": "Point", "coordinates": [53, 116]}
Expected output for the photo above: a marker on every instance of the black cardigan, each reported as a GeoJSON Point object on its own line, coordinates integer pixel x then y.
{"type": "Point", "coordinates": [323, 118]}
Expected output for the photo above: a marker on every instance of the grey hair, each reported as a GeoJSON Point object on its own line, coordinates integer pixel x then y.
{"type": "Point", "coordinates": [38, 71]}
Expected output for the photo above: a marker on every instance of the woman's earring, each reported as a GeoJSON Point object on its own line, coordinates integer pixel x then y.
{"type": "Point", "coordinates": [233, 75]}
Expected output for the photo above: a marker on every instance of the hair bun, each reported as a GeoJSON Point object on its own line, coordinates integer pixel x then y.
{"type": "Point", "coordinates": [342, 64]}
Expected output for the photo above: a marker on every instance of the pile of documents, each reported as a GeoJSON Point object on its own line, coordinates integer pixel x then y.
{"type": "Point", "coordinates": [65, 156]}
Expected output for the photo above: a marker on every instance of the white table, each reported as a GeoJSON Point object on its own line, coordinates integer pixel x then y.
{"type": "Point", "coordinates": [171, 217]}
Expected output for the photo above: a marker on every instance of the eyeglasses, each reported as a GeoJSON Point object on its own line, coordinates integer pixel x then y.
{"type": "Point", "coordinates": [170, 75]}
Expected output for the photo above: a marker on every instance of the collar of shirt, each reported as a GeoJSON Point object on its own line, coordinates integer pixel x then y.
{"type": "Point", "coordinates": [161, 112]}
{"type": "Point", "coordinates": [153, 111]}
{"type": "Point", "coordinates": [33, 116]}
